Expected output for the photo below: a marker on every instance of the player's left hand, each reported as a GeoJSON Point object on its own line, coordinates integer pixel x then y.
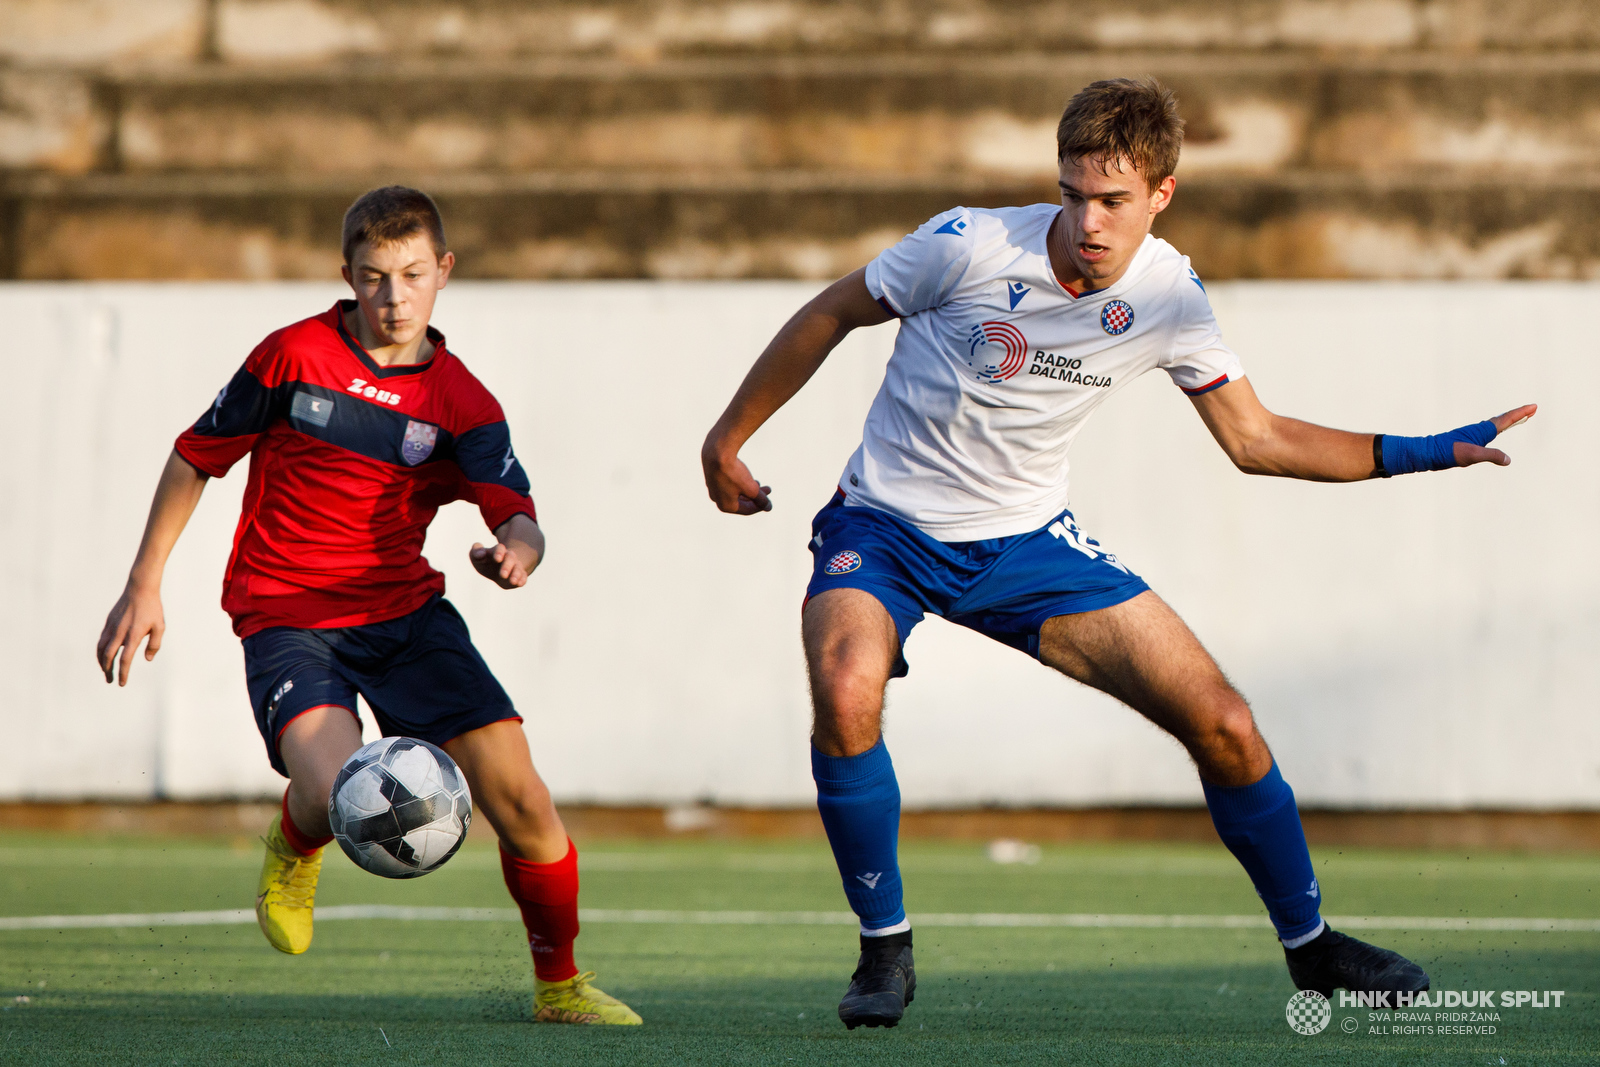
{"type": "Point", "coordinates": [500, 565]}
{"type": "Point", "coordinates": [1467, 453]}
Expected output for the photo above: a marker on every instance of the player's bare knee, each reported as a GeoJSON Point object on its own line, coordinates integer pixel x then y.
{"type": "Point", "coordinates": [1230, 750]}
{"type": "Point", "coordinates": [525, 821]}
{"type": "Point", "coordinates": [849, 688]}
{"type": "Point", "coordinates": [847, 712]}
{"type": "Point", "coordinates": [522, 805]}
{"type": "Point", "coordinates": [847, 692]}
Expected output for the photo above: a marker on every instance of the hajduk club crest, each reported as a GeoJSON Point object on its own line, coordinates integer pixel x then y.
{"type": "Point", "coordinates": [842, 562]}
{"type": "Point", "coordinates": [1116, 317]}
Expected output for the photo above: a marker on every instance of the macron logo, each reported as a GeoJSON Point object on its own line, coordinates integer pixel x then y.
{"type": "Point", "coordinates": [870, 879]}
{"type": "Point", "coordinates": [1016, 291]}
{"type": "Point", "coordinates": [956, 226]}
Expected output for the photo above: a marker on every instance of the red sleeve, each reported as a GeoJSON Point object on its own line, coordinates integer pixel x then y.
{"type": "Point", "coordinates": [247, 405]}
{"type": "Point", "coordinates": [497, 503]}
{"type": "Point", "coordinates": [493, 477]}
{"type": "Point", "coordinates": [213, 457]}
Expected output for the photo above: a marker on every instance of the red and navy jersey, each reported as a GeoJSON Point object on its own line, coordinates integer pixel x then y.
{"type": "Point", "coordinates": [349, 461]}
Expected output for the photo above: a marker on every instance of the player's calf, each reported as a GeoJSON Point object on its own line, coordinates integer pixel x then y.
{"type": "Point", "coordinates": [1260, 825]}
{"type": "Point", "coordinates": [313, 746]}
{"type": "Point", "coordinates": [540, 866]}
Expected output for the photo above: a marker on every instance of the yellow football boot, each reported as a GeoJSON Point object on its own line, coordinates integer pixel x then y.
{"type": "Point", "coordinates": [576, 1001]}
{"type": "Point", "coordinates": [286, 892]}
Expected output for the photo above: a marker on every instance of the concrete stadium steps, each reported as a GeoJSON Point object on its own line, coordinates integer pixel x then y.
{"type": "Point", "coordinates": [252, 29]}
{"type": "Point", "coordinates": [787, 224]}
{"type": "Point", "coordinates": [906, 115]}
{"type": "Point", "coordinates": [97, 31]}
{"type": "Point", "coordinates": [784, 138]}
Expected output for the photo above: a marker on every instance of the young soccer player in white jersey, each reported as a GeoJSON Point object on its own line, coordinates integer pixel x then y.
{"type": "Point", "coordinates": [1015, 324]}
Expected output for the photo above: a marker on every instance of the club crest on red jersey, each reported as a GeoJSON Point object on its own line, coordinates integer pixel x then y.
{"type": "Point", "coordinates": [842, 563]}
{"type": "Point", "coordinates": [419, 441]}
{"type": "Point", "coordinates": [1116, 317]}
{"type": "Point", "coordinates": [995, 351]}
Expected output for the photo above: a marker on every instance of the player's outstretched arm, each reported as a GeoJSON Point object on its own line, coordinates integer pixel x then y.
{"type": "Point", "coordinates": [788, 363]}
{"type": "Point", "coordinates": [519, 549]}
{"type": "Point", "coordinates": [1260, 442]}
{"type": "Point", "coordinates": [137, 613]}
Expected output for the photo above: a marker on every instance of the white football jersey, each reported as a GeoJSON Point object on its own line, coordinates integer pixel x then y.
{"type": "Point", "coordinates": [998, 365]}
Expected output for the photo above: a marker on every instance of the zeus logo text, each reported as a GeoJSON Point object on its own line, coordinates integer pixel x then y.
{"type": "Point", "coordinates": [1064, 369]}
{"type": "Point", "coordinates": [360, 387]}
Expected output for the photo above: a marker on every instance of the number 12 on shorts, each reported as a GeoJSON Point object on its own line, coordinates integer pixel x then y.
{"type": "Point", "coordinates": [1067, 530]}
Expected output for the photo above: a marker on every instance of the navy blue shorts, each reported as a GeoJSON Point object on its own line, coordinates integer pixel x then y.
{"type": "Point", "coordinates": [1003, 587]}
{"type": "Point", "coordinates": [419, 674]}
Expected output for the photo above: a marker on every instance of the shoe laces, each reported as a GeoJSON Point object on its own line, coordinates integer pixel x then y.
{"type": "Point", "coordinates": [1361, 955]}
{"type": "Point", "coordinates": [877, 961]}
{"type": "Point", "coordinates": [294, 884]}
{"type": "Point", "coordinates": [579, 989]}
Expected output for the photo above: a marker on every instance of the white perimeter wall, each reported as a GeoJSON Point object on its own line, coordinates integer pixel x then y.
{"type": "Point", "coordinates": [1427, 641]}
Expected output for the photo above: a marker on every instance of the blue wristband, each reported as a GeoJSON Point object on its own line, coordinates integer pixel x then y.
{"type": "Point", "coordinates": [1407, 455]}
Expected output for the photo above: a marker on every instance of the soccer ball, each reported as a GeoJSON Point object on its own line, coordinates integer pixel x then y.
{"type": "Point", "coordinates": [400, 807]}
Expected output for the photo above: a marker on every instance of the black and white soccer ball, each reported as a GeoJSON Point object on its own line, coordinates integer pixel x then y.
{"type": "Point", "coordinates": [400, 807]}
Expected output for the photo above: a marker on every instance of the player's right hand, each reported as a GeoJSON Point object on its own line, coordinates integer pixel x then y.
{"type": "Point", "coordinates": [136, 615]}
{"type": "Point", "coordinates": [1466, 453]}
{"type": "Point", "coordinates": [731, 486]}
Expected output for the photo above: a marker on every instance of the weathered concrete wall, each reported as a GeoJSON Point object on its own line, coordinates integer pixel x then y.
{"type": "Point", "coordinates": [651, 138]}
{"type": "Point", "coordinates": [1428, 641]}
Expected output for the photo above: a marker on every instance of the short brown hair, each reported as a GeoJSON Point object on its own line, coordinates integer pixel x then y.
{"type": "Point", "coordinates": [1122, 120]}
{"type": "Point", "coordinates": [392, 213]}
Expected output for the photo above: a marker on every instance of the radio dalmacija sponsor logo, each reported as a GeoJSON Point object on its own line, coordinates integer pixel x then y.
{"type": "Point", "coordinates": [997, 351]}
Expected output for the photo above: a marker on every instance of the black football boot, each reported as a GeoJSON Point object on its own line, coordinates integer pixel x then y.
{"type": "Point", "coordinates": [1333, 961]}
{"type": "Point", "coordinates": [884, 983]}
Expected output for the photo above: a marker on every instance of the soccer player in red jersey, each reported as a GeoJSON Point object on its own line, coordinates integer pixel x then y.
{"type": "Point", "coordinates": [360, 424]}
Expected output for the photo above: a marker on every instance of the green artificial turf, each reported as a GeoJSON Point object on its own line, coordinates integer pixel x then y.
{"type": "Point", "coordinates": [376, 991]}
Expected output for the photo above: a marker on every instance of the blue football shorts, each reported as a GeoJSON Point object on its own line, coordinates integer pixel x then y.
{"type": "Point", "coordinates": [420, 675]}
{"type": "Point", "coordinates": [1003, 587]}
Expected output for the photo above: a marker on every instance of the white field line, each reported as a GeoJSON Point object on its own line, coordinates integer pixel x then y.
{"type": "Point", "coordinates": [240, 916]}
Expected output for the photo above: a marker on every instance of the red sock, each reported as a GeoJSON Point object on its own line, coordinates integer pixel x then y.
{"type": "Point", "coordinates": [295, 836]}
{"type": "Point", "coordinates": [547, 893]}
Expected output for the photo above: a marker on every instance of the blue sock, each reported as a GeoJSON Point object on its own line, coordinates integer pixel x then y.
{"type": "Point", "coordinates": [1261, 827]}
{"type": "Point", "coordinates": [859, 801]}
